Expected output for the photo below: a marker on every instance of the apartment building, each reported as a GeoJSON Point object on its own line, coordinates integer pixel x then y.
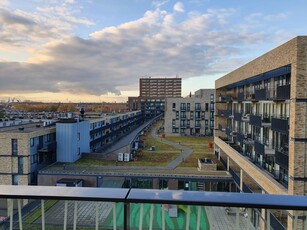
{"type": "Point", "coordinates": [192, 115]}
{"type": "Point", "coordinates": [25, 149]}
{"type": "Point", "coordinates": [160, 87]}
{"type": "Point", "coordinates": [261, 125]}
{"type": "Point", "coordinates": [153, 92]}
{"type": "Point", "coordinates": [75, 136]}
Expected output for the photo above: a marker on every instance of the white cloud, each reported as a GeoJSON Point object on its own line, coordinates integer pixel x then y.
{"type": "Point", "coordinates": [23, 29]}
{"type": "Point", "coordinates": [115, 57]}
{"type": "Point", "coordinates": [158, 4]}
{"type": "Point", "coordinates": [4, 3]}
{"type": "Point", "coordinates": [179, 7]}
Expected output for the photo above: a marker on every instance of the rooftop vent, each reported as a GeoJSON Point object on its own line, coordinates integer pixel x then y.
{"type": "Point", "coordinates": [21, 128]}
{"type": "Point", "coordinates": [38, 125]}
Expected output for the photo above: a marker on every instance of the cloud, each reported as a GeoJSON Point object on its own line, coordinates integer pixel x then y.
{"type": "Point", "coordinates": [4, 3]}
{"type": "Point", "coordinates": [23, 29]}
{"type": "Point", "coordinates": [114, 58]}
{"type": "Point", "coordinates": [179, 7]}
{"type": "Point", "coordinates": [158, 4]}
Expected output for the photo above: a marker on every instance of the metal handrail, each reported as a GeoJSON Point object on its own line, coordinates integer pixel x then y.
{"type": "Point", "coordinates": [222, 199]}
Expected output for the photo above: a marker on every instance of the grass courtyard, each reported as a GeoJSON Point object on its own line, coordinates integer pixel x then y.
{"type": "Point", "coordinates": [164, 153]}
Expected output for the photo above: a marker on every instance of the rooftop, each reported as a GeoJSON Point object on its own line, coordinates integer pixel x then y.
{"type": "Point", "coordinates": [26, 128]}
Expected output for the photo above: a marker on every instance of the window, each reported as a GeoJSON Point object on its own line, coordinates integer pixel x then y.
{"type": "Point", "coordinates": [191, 115]}
{"type": "Point", "coordinates": [14, 179]}
{"type": "Point", "coordinates": [31, 142]}
{"type": "Point", "coordinates": [197, 115]}
{"type": "Point", "coordinates": [188, 106]}
{"type": "Point", "coordinates": [197, 106]}
{"type": "Point", "coordinates": [78, 136]}
{"type": "Point", "coordinates": [79, 152]}
{"type": "Point", "coordinates": [20, 165]}
{"type": "Point", "coordinates": [211, 97]}
{"type": "Point", "coordinates": [48, 137]}
{"type": "Point", "coordinates": [174, 106]}
{"type": "Point", "coordinates": [203, 115]}
{"type": "Point", "coordinates": [211, 124]}
{"type": "Point", "coordinates": [175, 130]}
{"type": "Point", "coordinates": [182, 106]}
{"type": "Point", "coordinates": [182, 114]}
{"type": "Point", "coordinates": [211, 106]}
{"type": "Point", "coordinates": [33, 159]}
{"type": "Point", "coordinates": [207, 107]}
{"type": "Point", "coordinates": [174, 122]}
{"type": "Point", "coordinates": [14, 147]}
{"type": "Point", "coordinates": [177, 115]}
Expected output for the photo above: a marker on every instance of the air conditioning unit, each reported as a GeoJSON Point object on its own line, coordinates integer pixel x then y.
{"type": "Point", "coordinates": [126, 156]}
{"type": "Point", "coordinates": [120, 157]}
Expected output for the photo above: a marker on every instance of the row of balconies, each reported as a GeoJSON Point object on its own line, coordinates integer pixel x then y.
{"type": "Point", "coordinates": [281, 154]}
{"type": "Point", "coordinates": [279, 94]}
{"type": "Point", "coordinates": [276, 123]}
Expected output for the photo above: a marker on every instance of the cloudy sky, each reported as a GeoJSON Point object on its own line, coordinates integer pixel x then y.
{"type": "Point", "coordinates": [96, 50]}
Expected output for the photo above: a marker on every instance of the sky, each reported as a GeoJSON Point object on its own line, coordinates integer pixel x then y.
{"type": "Point", "coordinates": [96, 50]}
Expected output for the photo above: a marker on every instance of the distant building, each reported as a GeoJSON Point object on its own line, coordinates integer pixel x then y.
{"type": "Point", "coordinates": [25, 149]}
{"type": "Point", "coordinates": [160, 87]}
{"type": "Point", "coordinates": [191, 115]}
{"type": "Point", "coordinates": [76, 136]}
{"type": "Point", "coordinates": [153, 92]}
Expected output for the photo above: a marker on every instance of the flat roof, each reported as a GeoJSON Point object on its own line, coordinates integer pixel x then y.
{"type": "Point", "coordinates": [27, 128]}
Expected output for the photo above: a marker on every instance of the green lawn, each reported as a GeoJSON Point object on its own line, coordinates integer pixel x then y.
{"type": "Point", "coordinates": [200, 148]}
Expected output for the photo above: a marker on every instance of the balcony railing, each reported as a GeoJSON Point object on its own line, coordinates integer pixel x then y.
{"type": "Point", "coordinates": [282, 159]}
{"type": "Point", "coordinates": [42, 207]}
{"type": "Point", "coordinates": [260, 120]}
{"type": "Point", "coordinates": [241, 97]}
{"type": "Point", "coordinates": [283, 92]}
{"type": "Point", "coordinates": [280, 125]}
{"type": "Point", "coordinates": [237, 116]}
{"type": "Point", "coordinates": [255, 120]}
{"type": "Point", "coordinates": [261, 94]}
{"type": "Point", "coordinates": [224, 98]}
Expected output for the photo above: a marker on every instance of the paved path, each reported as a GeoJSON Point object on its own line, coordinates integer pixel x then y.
{"type": "Point", "coordinates": [185, 151]}
{"type": "Point", "coordinates": [126, 140]}
{"type": "Point", "coordinates": [219, 220]}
